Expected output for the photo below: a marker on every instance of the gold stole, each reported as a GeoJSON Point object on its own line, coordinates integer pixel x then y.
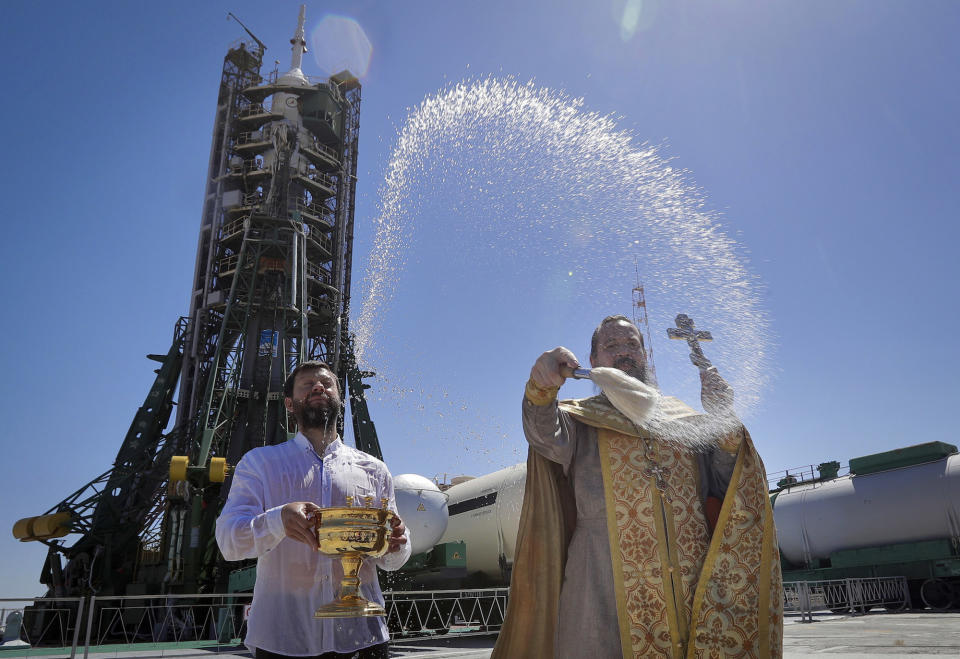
{"type": "Point", "coordinates": [681, 593]}
{"type": "Point", "coordinates": [738, 604]}
{"type": "Point", "coordinates": [658, 540]}
{"type": "Point", "coordinates": [729, 592]}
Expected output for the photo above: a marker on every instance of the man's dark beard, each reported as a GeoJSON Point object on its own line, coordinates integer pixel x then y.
{"type": "Point", "coordinates": [317, 415]}
{"type": "Point", "coordinates": [632, 368]}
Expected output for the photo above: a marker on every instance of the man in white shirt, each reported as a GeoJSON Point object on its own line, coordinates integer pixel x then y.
{"type": "Point", "coordinates": [269, 515]}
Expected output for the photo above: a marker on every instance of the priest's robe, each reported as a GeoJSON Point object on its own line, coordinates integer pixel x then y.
{"type": "Point", "coordinates": [615, 554]}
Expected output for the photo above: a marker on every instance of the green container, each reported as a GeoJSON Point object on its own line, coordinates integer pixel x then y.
{"type": "Point", "coordinates": [901, 457]}
{"type": "Point", "coordinates": [242, 580]}
{"type": "Point", "coordinates": [450, 554]}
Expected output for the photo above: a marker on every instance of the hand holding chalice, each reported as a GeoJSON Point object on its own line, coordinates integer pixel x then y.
{"type": "Point", "coordinates": [352, 534]}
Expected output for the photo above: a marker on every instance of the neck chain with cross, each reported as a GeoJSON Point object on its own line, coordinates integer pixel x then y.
{"type": "Point", "coordinates": [655, 470]}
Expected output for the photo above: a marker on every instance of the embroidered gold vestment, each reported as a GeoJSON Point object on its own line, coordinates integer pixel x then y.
{"type": "Point", "coordinates": [681, 591]}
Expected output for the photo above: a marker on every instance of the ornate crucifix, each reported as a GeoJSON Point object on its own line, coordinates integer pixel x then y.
{"type": "Point", "coordinates": [686, 332]}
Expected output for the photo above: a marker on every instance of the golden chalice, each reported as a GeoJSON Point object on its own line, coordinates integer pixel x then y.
{"type": "Point", "coordinates": [352, 534]}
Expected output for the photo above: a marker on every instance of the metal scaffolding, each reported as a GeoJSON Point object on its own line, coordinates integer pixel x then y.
{"type": "Point", "coordinates": [271, 288]}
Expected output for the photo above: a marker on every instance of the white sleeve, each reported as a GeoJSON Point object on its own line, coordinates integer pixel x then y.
{"type": "Point", "coordinates": [395, 560]}
{"type": "Point", "coordinates": [245, 529]}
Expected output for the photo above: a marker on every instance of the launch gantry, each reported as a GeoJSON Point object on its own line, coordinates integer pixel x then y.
{"type": "Point", "coordinates": [271, 288]}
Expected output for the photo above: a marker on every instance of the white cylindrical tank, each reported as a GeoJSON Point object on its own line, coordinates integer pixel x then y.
{"type": "Point", "coordinates": [423, 508]}
{"type": "Point", "coordinates": [909, 504]}
{"type": "Point", "coordinates": [485, 513]}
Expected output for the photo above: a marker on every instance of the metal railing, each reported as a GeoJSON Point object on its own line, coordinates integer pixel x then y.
{"type": "Point", "coordinates": [420, 613]}
{"type": "Point", "coordinates": [800, 475]}
{"type": "Point", "coordinates": [248, 167]}
{"type": "Point", "coordinates": [318, 178]}
{"type": "Point", "coordinates": [53, 622]}
{"type": "Point", "coordinates": [251, 137]}
{"type": "Point", "coordinates": [166, 621]}
{"type": "Point", "coordinates": [323, 149]}
{"type": "Point", "coordinates": [317, 210]}
{"type": "Point", "coordinates": [255, 110]}
{"type": "Point", "coordinates": [104, 626]}
{"type": "Point", "coordinates": [232, 229]}
{"type": "Point", "coordinates": [845, 596]}
{"type": "Point", "coordinates": [228, 263]}
{"type": "Point", "coordinates": [318, 273]}
{"type": "Point", "coordinates": [272, 77]}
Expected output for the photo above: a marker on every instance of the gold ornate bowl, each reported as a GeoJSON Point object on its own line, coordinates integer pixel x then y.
{"type": "Point", "coordinates": [352, 534]}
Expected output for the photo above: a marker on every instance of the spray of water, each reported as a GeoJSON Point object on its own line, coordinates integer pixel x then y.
{"type": "Point", "coordinates": [552, 208]}
{"type": "Point", "coordinates": [646, 408]}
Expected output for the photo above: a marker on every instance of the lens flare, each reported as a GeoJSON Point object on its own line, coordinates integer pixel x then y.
{"type": "Point", "coordinates": [338, 43]}
{"type": "Point", "coordinates": [634, 16]}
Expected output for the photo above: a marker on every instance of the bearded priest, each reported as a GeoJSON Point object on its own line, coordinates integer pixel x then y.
{"type": "Point", "coordinates": [646, 528]}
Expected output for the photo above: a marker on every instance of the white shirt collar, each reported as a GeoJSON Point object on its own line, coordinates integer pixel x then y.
{"type": "Point", "coordinates": [305, 444]}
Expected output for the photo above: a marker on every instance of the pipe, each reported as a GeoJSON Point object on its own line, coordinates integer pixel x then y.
{"type": "Point", "coordinates": [294, 268]}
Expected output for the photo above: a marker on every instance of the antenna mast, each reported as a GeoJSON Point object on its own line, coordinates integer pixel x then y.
{"type": "Point", "coordinates": [642, 322]}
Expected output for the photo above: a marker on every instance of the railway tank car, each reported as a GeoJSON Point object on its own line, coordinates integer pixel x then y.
{"type": "Point", "coordinates": [485, 515]}
{"type": "Point", "coordinates": [896, 513]}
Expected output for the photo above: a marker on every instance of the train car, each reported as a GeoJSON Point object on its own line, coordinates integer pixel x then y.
{"type": "Point", "coordinates": [895, 513]}
{"type": "Point", "coordinates": [485, 516]}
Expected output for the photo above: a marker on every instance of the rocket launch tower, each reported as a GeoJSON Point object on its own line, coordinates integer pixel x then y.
{"type": "Point", "coordinates": [271, 288]}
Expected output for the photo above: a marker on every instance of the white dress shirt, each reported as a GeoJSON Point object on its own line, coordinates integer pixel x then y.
{"type": "Point", "coordinates": [293, 580]}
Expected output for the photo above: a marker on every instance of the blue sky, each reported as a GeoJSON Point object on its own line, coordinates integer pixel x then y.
{"type": "Point", "coordinates": [823, 134]}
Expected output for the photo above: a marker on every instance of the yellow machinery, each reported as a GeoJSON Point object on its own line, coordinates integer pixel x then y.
{"type": "Point", "coordinates": [42, 527]}
{"type": "Point", "coordinates": [180, 469]}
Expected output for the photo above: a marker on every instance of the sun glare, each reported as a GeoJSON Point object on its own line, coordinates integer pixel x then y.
{"type": "Point", "coordinates": [636, 15]}
{"type": "Point", "coordinates": [338, 43]}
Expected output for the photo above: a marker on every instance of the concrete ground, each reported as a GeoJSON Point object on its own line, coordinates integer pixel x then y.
{"type": "Point", "coordinates": [886, 635]}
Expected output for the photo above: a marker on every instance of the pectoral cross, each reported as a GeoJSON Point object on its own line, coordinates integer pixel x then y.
{"type": "Point", "coordinates": [655, 470]}
{"type": "Point", "coordinates": [659, 473]}
{"type": "Point", "coordinates": [686, 332]}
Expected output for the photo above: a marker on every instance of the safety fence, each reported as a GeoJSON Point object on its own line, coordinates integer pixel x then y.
{"type": "Point", "coordinates": [107, 626]}
{"type": "Point", "coordinates": [845, 596]}
{"type": "Point", "coordinates": [58, 629]}
{"type": "Point", "coordinates": [420, 613]}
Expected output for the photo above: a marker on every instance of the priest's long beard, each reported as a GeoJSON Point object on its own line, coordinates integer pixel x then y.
{"type": "Point", "coordinates": [316, 416]}
{"type": "Point", "coordinates": [633, 368]}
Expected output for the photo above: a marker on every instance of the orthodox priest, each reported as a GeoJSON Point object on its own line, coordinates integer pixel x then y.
{"type": "Point", "coordinates": [633, 541]}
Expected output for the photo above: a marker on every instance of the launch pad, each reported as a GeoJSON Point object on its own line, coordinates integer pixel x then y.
{"type": "Point", "coordinates": [271, 287]}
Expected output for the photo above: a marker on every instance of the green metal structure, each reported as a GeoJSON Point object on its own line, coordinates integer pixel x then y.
{"type": "Point", "coordinates": [271, 288]}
